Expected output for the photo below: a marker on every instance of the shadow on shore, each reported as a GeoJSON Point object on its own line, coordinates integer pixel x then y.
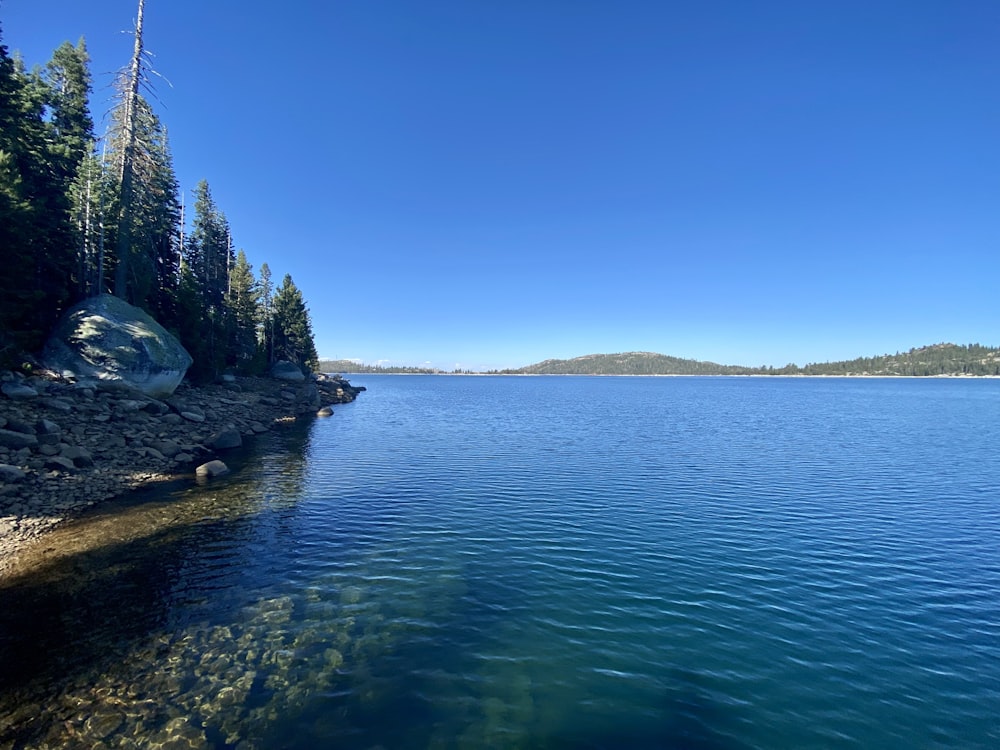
{"type": "Point", "coordinates": [84, 596]}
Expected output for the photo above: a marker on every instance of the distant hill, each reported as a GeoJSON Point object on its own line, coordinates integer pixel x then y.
{"type": "Point", "coordinates": [938, 359]}
{"type": "Point", "coordinates": [630, 363]}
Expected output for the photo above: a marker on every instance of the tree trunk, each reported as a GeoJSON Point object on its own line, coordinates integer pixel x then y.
{"type": "Point", "coordinates": [131, 93]}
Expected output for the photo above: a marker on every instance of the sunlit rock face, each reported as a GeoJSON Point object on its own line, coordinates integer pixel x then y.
{"type": "Point", "coordinates": [108, 343]}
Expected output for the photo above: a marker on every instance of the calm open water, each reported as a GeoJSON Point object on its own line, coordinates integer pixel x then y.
{"type": "Point", "coordinates": [551, 562]}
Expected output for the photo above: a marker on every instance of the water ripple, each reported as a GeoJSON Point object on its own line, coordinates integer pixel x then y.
{"type": "Point", "coordinates": [591, 562]}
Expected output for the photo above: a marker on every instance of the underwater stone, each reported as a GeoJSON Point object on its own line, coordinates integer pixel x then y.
{"type": "Point", "coordinates": [212, 469]}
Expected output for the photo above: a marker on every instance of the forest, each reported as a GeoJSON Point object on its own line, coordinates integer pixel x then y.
{"type": "Point", "coordinates": [925, 361]}
{"type": "Point", "coordinates": [83, 214]}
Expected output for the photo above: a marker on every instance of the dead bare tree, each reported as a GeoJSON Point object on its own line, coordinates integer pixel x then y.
{"type": "Point", "coordinates": [130, 95]}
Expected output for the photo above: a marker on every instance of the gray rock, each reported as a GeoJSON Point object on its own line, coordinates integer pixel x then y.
{"type": "Point", "coordinates": [19, 425]}
{"type": "Point", "coordinates": [18, 391]}
{"type": "Point", "coordinates": [326, 411]}
{"type": "Point", "coordinates": [155, 407]}
{"type": "Point", "coordinates": [108, 343]}
{"type": "Point", "coordinates": [57, 404]}
{"type": "Point", "coordinates": [310, 395]}
{"type": "Point", "coordinates": [81, 457]}
{"type": "Point", "coordinates": [193, 416]}
{"type": "Point", "coordinates": [225, 438]}
{"type": "Point", "coordinates": [168, 448]}
{"type": "Point", "coordinates": [10, 473]}
{"type": "Point", "coordinates": [212, 469]}
{"type": "Point", "coordinates": [129, 405]}
{"type": "Point", "coordinates": [283, 370]}
{"type": "Point", "coordinates": [153, 453]}
{"type": "Point", "coordinates": [60, 463]}
{"type": "Point", "coordinates": [47, 427]}
{"type": "Point", "coordinates": [39, 384]}
{"type": "Point", "coordinates": [17, 440]}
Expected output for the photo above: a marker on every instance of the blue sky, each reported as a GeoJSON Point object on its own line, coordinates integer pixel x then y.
{"type": "Point", "coordinates": [489, 183]}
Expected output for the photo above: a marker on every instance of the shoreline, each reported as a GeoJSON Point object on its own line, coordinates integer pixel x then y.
{"type": "Point", "coordinates": [68, 448]}
{"type": "Point", "coordinates": [942, 376]}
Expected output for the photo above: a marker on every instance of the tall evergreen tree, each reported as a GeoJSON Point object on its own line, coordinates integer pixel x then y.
{"type": "Point", "coordinates": [37, 156]}
{"type": "Point", "coordinates": [208, 257]}
{"type": "Point", "coordinates": [243, 300]}
{"type": "Point", "coordinates": [68, 77]}
{"type": "Point", "coordinates": [293, 336]}
{"type": "Point", "coordinates": [265, 334]}
{"type": "Point", "coordinates": [148, 256]}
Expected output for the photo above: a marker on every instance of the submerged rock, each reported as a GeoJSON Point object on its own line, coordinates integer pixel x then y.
{"type": "Point", "coordinates": [214, 468]}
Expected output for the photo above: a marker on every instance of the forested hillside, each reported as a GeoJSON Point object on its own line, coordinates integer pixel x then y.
{"type": "Point", "coordinates": [83, 213]}
{"type": "Point", "coordinates": [629, 363]}
{"type": "Point", "coordinates": [939, 359]}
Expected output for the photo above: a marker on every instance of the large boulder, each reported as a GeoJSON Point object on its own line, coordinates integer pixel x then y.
{"type": "Point", "coordinates": [290, 371]}
{"type": "Point", "coordinates": [106, 342]}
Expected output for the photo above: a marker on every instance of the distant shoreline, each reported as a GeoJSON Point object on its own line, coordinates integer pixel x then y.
{"type": "Point", "coordinates": [797, 376]}
{"type": "Point", "coordinates": [936, 360]}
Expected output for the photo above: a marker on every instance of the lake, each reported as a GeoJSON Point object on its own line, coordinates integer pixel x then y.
{"type": "Point", "coordinates": [542, 562]}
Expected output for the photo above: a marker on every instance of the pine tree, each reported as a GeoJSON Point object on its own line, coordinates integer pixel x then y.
{"type": "Point", "coordinates": [208, 258]}
{"type": "Point", "coordinates": [265, 335]}
{"type": "Point", "coordinates": [293, 337]}
{"type": "Point", "coordinates": [243, 300]}
{"type": "Point", "coordinates": [68, 77]}
{"type": "Point", "coordinates": [191, 324]}
{"type": "Point", "coordinates": [36, 168]}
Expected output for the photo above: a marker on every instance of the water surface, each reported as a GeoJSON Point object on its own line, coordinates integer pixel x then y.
{"type": "Point", "coordinates": [543, 563]}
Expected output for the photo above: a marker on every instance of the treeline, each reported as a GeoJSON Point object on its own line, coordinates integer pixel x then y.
{"type": "Point", "coordinates": [938, 359]}
{"type": "Point", "coordinates": [82, 215]}
{"type": "Point", "coordinates": [348, 365]}
{"type": "Point", "coordinates": [925, 361]}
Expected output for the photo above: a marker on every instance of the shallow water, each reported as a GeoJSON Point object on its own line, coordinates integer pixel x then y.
{"type": "Point", "coordinates": [542, 562]}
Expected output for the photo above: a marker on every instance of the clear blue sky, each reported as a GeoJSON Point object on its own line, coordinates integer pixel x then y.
{"type": "Point", "coordinates": [488, 183]}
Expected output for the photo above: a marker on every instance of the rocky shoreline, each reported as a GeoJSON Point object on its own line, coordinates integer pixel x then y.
{"type": "Point", "coordinates": [64, 448]}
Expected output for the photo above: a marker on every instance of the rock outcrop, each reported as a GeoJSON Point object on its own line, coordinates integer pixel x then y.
{"type": "Point", "coordinates": [109, 344]}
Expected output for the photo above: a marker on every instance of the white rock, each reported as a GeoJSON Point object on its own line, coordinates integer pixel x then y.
{"type": "Point", "coordinates": [212, 469]}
